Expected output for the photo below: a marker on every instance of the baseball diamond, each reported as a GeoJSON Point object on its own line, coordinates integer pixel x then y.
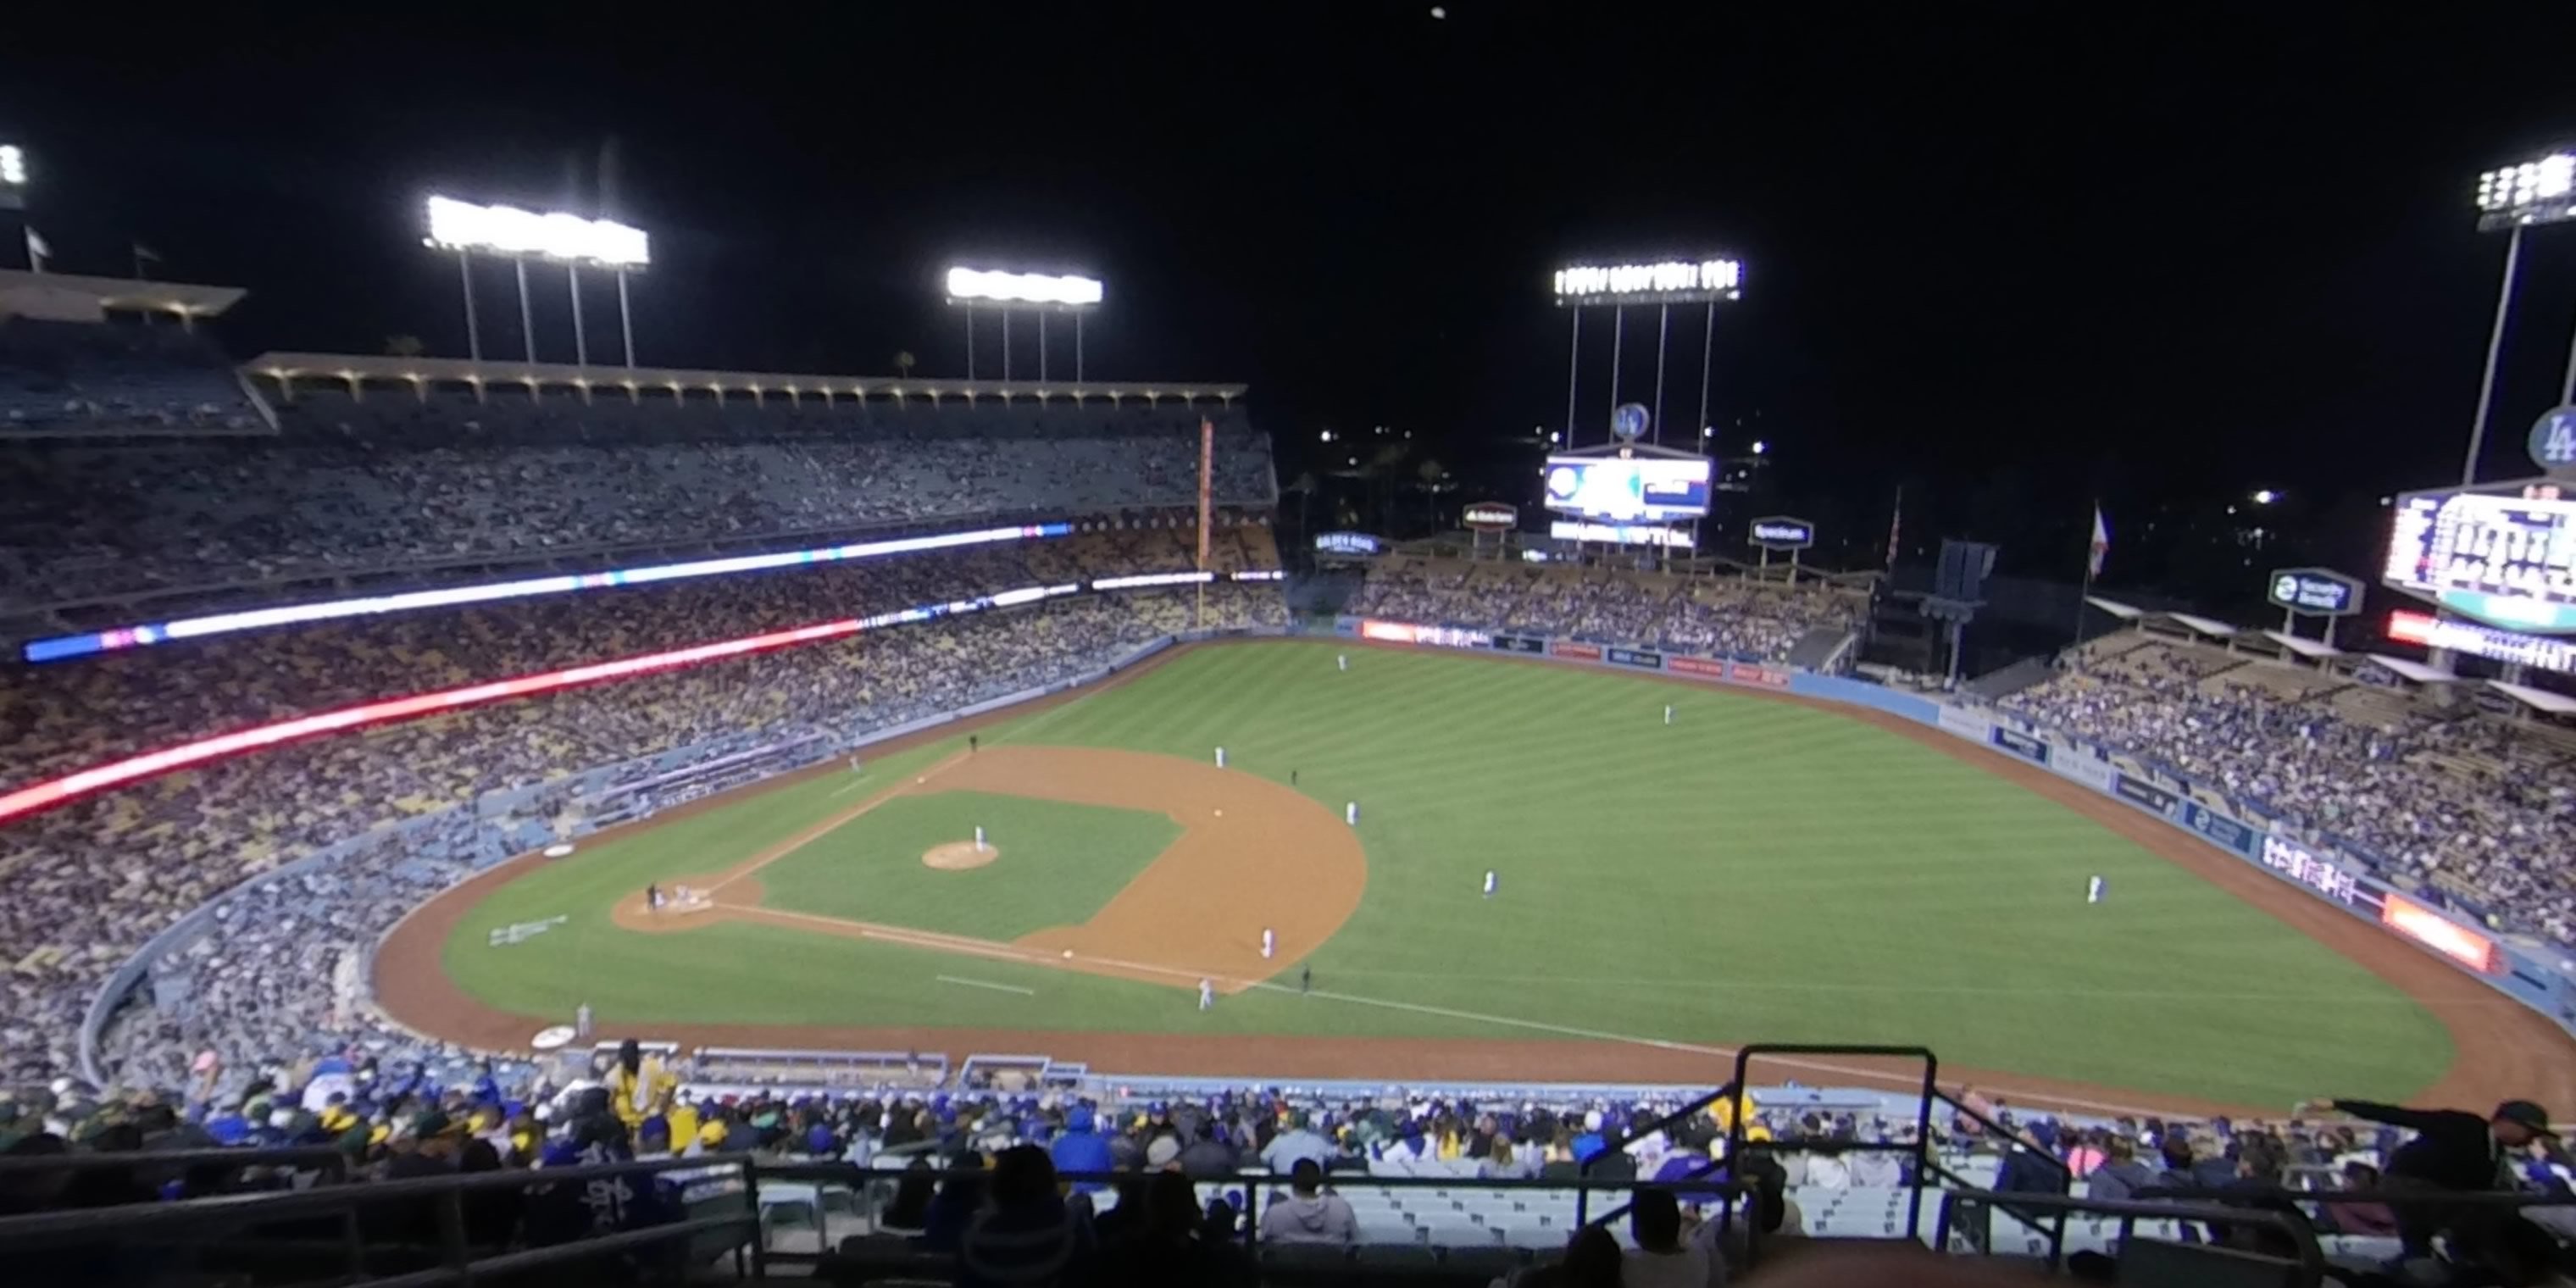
{"type": "Point", "coordinates": [1762, 867]}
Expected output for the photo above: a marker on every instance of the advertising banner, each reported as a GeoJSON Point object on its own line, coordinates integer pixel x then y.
{"type": "Point", "coordinates": [2021, 744]}
{"type": "Point", "coordinates": [1519, 644]}
{"type": "Point", "coordinates": [2080, 765]}
{"type": "Point", "coordinates": [2138, 791]}
{"type": "Point", "coordinates": [1408, 633]}
{"type": "Point", "coordinates": [2439, 933]}
{"type": "Point", "coordinates": [1971, 725]}
{"type": "Point", "coordinates": [2291, 860]}
{"type": "Point", "coordinates": [2222, 829]}
{"type": "Point", "coordinates": [1769, 677]}
{"type": "Point", "coordinates": [1636, 657]}
{"type": "Point", "coordinates": [1698, 668]}
{"type": "Point", "coordinates": [1578, 652]}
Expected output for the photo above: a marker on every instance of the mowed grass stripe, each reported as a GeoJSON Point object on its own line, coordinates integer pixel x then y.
{"type": "Point", "coordinates": [1760, 870]}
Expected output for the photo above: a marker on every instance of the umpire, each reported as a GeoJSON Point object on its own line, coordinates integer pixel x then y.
{"type": "Point", "coordinates": [2453, 1150]}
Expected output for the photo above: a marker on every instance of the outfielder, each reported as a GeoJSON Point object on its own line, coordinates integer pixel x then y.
{"type": "Point", "coordinates": [1668, 713]}
{"type": "Point", "coordinates": [1345, 660]}
{"type": "Point", "coordinates": [1207, 994]}
{"type": "Point", "coordinates": [2095, 889]}
{"type": "Point", "coordinates": [1489, 883]}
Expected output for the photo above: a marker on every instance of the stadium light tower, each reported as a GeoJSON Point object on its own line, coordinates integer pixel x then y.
{"type": "Point", "coordinates": [2511, 199]}
{"type": "Point", "coordinates": [521, 235]}
{"type": "Point", "coordinates": [1039, 293]}
{"type": "Point", "coordinates": [1701, 281]}
{"type": "Point", "coordinates": [13, 196]}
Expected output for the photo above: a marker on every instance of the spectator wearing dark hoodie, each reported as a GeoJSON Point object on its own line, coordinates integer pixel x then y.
{"type": "Point", "coordinates": [1082, 1148]}
{"type": "Point", "coordinates": [1309, 1214]}
{"type": "Point", "coordinates": [960, 1197]}
{"type": "Point", "coordinates": [2121, 1174]}
{"type": "Point", "coordinates": [1027, 1236]}
{"type": "Point", "coordinates": [1208, 1155]}
{"type": "Point", "coordinates": [1172, 1248]}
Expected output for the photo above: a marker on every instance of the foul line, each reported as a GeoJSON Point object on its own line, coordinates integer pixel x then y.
{"type": "Point", "coordinates": [1006, 952]}
{"type": "Point", "coordinates": [978, 983]}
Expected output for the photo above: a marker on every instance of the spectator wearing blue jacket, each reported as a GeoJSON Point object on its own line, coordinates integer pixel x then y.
{"type": "Point", "coordinates": [1082, 1149]}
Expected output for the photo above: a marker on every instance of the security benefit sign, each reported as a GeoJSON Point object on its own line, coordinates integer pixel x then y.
{"type": "Point", "coordinates": [2316, 592]}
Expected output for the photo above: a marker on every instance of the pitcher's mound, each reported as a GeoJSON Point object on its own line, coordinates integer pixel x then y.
{"type": "Point", "coordinates": [958, 856]}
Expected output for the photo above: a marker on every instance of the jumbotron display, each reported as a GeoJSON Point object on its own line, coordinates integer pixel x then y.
{"type": "Point", "coordinates": [1638, 489]}
{"type": "Point", "coordinates": [2506, 560]}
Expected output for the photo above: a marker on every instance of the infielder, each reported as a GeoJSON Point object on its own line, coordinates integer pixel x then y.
{"type": "Point", "coordinates": [2095, 889]}
{"type": "Point", "coordinates": [1220, 757]}
{"type": "Point", "coordinates": [1351, 813]}
{"type": "Point", "coordinates": [1207, 994]}
{"type": "Point", "coordinates": [1269, 942]}
{"type": "Point", "coordinates": [1489, 883]}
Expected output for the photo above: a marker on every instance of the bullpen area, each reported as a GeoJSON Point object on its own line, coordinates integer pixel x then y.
{"type": "Point", "coordinates": [1753, 868]}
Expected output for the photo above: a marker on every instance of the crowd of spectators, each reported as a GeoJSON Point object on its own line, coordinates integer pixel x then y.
{"type": "Point", "coordinates": [93, 880]}
{"type": "Point", "coordinates": [1726, 616]}
{"type": "Point", "coordinates": [2449, 799]}
{"type": "Point", "coordinates": [1158, 1169]}
{"type": "Point", "coordinates": [80, 379]}
{"type": "Point", "coordinates": [62, 717]}
{"type": "Point", "coordinates": [392, 480]}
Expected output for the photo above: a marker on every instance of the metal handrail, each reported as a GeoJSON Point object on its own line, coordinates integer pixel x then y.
{"type": "Point", "coordinates": [1922, 1147]}
{"type": "Point", "coordinates": [57, 1227]}
{"type": "Point", "coordinates": [2295, 1225]}
{"type": "Point", "coordinates": [1253, 1183]}
{"type": "Point", "coordinates": [296, 1157]}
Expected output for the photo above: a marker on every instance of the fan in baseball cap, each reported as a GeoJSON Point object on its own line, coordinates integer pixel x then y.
{"type": "Point", "coordinates": [2531, 1118]}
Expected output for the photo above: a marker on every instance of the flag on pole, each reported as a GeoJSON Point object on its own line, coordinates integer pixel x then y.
{"type": "Point", "coordinates": [144, 255]}
{"type": "Point", "coordinates": [1895, 525]}
{"type": "Point", "coordinates": [2101, 543]}
{"type": "Point", "coordinates": [37, 251]}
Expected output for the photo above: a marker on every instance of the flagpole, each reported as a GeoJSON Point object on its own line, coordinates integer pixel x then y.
{"type": "Point", "coordinates": [2087, 591]}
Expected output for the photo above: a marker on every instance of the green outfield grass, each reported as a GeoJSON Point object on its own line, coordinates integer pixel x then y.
{"type": "Point", "coordinates": [1065, 861]}
{"type": "Point", "coordinates": [1757, 871]}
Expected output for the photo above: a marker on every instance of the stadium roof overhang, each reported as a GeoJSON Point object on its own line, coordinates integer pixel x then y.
{"type": "Point", "coordinates": [2408, 668]}
{"type": "Point", "coordinates": [2556, 704]}
{"type": "Point", "coordinates": [70, 295]}
{"type": "Point", "coordinates": [357, 368]}
{"type": "Point", "coordinates": [2125, 612]}
{"type": "Point", "coordinates": [2303, 646]}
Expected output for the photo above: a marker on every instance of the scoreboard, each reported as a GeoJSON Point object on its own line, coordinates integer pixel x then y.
{"type": "Point", "coordinates": [1629, 489]}
{"type": "Point", "coordinates": [2507, 560]}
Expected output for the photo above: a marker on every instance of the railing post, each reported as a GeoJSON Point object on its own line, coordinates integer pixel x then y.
{"type": "Point", "coordinates": [451, 1235]}
{"type": "Point", "coordinates": [760, 1228]}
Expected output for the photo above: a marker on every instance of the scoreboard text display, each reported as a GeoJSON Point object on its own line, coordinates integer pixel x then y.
{"type": "Point", "coordinates": [2509, 561]}
{"type": "Point", "coordinates": [1640, 489]}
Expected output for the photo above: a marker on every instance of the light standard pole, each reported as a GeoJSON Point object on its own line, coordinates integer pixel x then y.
{"type": "Point", "coordinates": [527, 322]}
{"type": "Point", "coordinates": [2511, 199]}
{"type": "Point", "coordinates": [625, 320]}
{"type": "Point", "coordinates": [465, 279]}
{"type": "Point", "coordinates": [580, 340]}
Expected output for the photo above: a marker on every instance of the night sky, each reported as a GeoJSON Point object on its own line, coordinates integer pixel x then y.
{"type": "Point", "coordinates": [2012, 257]}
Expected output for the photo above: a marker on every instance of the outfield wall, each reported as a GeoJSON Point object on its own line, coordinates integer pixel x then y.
{"type": "Point", "coordinates": [2533, 973]}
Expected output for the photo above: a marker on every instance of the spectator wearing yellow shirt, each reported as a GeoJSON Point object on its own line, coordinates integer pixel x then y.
{"type": "Point", "coordinates": [639, 1088]}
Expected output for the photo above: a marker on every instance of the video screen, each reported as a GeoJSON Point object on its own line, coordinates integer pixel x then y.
{"type": "Point", "coordinates": [2505, 560]}
{"type": "Point", "coordinates": [1636, 490]}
